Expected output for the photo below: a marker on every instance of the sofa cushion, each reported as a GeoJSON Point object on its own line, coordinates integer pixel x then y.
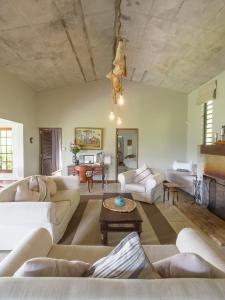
{"type": "Point", "coordinates": [127, 260]}
{"type": "Point", "coordinates": [61, 210]}
{"type": "Point", "coordinates": [24, 194]}
{"type": "Point", "coordinates": [51, 186]}
{"type": "Point", "coordinates": [38, 183]}
{"type": "Point", "coordinates": [183, 265]}
{"type": "Point", "coordinates": [49, 267]}
{"type": "Point", "coordinates": [182, 165]}
{"type": "Point", "coordinates": [64, 195]}
{"type": "Point", "coordinates": [142, 174]}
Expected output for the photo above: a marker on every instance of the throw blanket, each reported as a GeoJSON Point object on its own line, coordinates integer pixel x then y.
{"type": "Point", "coordinates": [38, 184]}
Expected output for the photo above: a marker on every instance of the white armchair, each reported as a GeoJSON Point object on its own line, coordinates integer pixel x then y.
{"type": "Point", "coordinates": [148, 192]}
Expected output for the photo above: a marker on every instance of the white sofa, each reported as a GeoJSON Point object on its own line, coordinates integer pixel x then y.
{"type": "Point", "coordinates": [188, 240]}
{"type": "Point", "coordinates": [19, 218]}
{"type": "Point", "coordinates": [148, 192]}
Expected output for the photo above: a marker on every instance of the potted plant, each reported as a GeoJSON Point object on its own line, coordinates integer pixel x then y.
{"type": "Point", "coordinates": [75, 149]}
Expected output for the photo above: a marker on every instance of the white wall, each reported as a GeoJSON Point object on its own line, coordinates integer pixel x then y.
{"type": "Point", "coordinates": [17, 103]}
{"type": "Point", "coordinates": [160, 115]}
{"type": "Point", "coordinates": [195, 131]}
{"type": "Point", "coordinates": [18, 153]}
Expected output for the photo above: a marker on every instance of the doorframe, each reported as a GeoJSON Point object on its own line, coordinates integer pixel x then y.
{"type": "Point", "coordinates": [40, 129]}
{"type": "Point", "coordinates": [116, 158]}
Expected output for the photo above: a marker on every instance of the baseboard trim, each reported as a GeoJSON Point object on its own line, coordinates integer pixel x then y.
{"type": "Point", "coordinates": [109, 181]}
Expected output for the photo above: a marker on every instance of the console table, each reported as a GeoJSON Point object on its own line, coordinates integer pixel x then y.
{"type": "Point", "coordinates": [95, 168]}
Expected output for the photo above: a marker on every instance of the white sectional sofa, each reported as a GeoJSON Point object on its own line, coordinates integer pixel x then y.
{"type": "Point", "coordinates": [19, 218]}
{"type": "Point", "coordinates": [39, 243]}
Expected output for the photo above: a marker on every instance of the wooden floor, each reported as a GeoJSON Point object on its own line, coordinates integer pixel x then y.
{"type": "Point", "coordinates": [206, 221]}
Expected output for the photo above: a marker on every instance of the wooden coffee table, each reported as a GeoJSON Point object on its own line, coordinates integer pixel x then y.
{"type": "Point", "coordinates": [111, 221]}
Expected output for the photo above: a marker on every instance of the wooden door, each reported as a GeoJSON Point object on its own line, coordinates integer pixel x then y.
{"type": "Point", "coordinates": [49, 151]}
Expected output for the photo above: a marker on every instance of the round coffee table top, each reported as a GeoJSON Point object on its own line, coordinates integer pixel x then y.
{"type": "Point", "coordinates": [129, 206]}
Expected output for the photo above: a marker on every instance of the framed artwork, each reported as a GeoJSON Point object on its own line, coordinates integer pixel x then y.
{"type": "Point", "coordinates": [89, 138]}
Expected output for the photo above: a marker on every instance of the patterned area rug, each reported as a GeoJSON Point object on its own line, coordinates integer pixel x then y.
{"type": "Point", "coordinates": [84, 228]}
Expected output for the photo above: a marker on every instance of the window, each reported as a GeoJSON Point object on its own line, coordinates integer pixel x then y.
{"type": "Point", "coordinates": [6, 161]}
{"type": "Point", "coordinates": [208, 122]}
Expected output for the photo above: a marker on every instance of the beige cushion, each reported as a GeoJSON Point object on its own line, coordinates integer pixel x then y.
{"type": "Point", "coordinates": [38, 183]}
{"type": "Point", "coordinates": [60, 211]}
{"type": "Point", "coordinates": [49, 267]}
{"type": "Point", "coordinates": [24, 194]}
{"type": "Point", "coordinates": [78, 252]}
{"type": "Point", "coordinates": [183, 265]}
{"type": "Point", "coordinates": [64, 195]}
{"type": "Point", "coordinates": [51, 186]}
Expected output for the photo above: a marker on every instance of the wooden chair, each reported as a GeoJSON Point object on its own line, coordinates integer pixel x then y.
{"type": "Point", "coordinates": [86, 175]}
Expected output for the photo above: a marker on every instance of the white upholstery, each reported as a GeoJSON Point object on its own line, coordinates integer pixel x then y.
{"type": "Point", "coordinates": [36, 244]}
{"type": "Point", "coordinates": [149, 192]}
{"type": "Point", "coordinates": [183, 179]}
{"type": "Point", "coordinates": [39, 244]}
{"type": "Point", "coordinates": [183, 165]}
{"type": "Point", "coordinates": [190, 240]}
{"type": "Point", "coordinates": [19, 218]}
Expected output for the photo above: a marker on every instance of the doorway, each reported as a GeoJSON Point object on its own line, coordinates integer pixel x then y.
{"type": "Point", "coordinates": [50, 151]}
{"type": "Point", "coordinates": [126, 149]}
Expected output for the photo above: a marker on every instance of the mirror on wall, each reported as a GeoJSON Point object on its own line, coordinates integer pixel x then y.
{"type": "Point", "coordinates": [126, 149]}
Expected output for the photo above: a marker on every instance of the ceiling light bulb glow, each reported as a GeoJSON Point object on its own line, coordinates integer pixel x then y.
{"type": "Point", "coordinates": [121, 100]}
{"type": "Point", "coordinates": [112, 116]}
{"type": "Point", "coordinates": [119, 121]}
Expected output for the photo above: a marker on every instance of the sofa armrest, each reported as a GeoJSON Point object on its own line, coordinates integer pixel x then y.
{"type": "Point", "coordinates": [27, 212]}
{"type": "Point", "coordinates": [67, 182]}
{"type": "Point", "coordinates": [126, 177]}
{"type": "Point", "coordinates": [36, 244]}
{"type": "Point", "coordinates": [193, 241]}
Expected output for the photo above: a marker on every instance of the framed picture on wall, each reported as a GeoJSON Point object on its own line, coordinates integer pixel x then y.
{"type": "Point", "coordinates": [89, 138]}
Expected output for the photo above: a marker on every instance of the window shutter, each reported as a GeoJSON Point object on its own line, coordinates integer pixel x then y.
{"type": "Point", "coordinates": [207, 92]}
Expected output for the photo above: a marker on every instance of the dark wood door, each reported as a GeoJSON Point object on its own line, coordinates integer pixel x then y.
{"type": "Point", "coordinates": [49, 150]}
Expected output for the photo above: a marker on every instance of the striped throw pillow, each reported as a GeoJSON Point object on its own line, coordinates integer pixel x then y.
{"type": "Point", "coordinates": [127, 260]}
{"type": "Point", "coordinates": [143, 174]}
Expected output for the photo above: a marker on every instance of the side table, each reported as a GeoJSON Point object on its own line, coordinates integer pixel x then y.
{"type": "Point", "coordinates": [170, 187]}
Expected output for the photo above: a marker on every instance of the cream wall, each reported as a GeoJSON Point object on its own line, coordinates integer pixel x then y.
{"type": "Point", "coordinates": [17, 103]}
{"type": "Point", "coordinates": [159, 114]}
{"type": "Point", "coordinates": [194, 128]}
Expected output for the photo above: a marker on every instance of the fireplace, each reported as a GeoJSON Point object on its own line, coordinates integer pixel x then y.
{"type": "Point", "coordinates": [214, 194]}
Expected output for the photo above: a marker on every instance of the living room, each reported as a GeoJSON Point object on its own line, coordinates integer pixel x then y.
{"type": "Point", "coordinates": [58, 63]}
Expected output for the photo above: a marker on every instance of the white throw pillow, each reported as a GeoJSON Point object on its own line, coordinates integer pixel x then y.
{"type": "Point", "coordinates": [183, 265]}
{"type": "Point", "coordinates": [24, 194]}
{"type": "Point", "coordinates": [49, 267]}
{"type": "Point", "coordinates": [127, 260]}
{"type": "Point", "coordinates": [182, 165]}
{"type": "Point", "coordinates": [143, 174]}
{"type": "Point", "coordinates": [51, 186]}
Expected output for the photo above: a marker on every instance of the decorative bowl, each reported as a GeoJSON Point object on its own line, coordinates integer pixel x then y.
{"type": "Point", "coordinates": [119, 201]}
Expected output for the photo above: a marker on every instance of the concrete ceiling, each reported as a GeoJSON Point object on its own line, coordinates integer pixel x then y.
{"type": "Point", "coordinates": [176, 44]}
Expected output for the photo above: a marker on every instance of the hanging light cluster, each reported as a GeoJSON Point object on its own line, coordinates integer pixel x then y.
{"type": "Point", "coordinates": [116, 76]}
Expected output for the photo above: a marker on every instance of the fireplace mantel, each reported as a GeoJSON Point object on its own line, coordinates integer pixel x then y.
{"type": "Point", "coordinates": [217, 149]}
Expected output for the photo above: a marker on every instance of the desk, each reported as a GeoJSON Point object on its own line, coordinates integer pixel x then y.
{"type": "Point", "coordinates": [97, 169]}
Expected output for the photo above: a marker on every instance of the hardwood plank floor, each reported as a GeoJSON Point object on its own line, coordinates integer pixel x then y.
{"type": "Point", "coordinates": [206, 221]}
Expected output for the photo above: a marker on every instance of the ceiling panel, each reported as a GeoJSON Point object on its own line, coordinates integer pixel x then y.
{"type": "Point", "coordinates": [176, 44]}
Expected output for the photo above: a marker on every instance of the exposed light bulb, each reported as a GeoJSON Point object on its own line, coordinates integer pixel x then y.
{"type": "Point", "coordinates": [119, 121]}
{"type": "Point", "coordinates": [112, 116]}
{"type": "Point", "coordinates": [121, 100]}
